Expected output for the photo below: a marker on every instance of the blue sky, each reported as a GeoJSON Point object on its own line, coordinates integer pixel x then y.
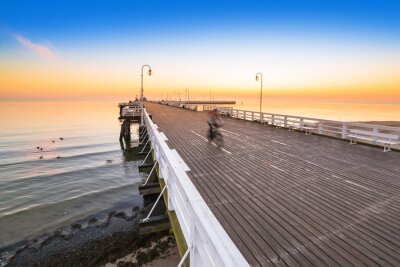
{"type": "Point", "coordinates": [69, 20]}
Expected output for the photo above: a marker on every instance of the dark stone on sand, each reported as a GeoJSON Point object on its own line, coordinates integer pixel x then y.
{"type": "Point", "coordinates": [136, 208]}
{"type": "Point", "coordinates": [111, 214]}
{"type": "Point", "coordinates": [93, 220]}
{"type": "Point", "coordinates": [76, 226]}
{"type": "Point", "coordinates": [120, 214]}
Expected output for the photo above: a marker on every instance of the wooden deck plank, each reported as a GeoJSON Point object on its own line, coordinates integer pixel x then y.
{"type": "Point", "coordinates": [286, 198]}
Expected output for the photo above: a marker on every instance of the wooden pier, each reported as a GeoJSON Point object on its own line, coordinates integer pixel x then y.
{"type": "Point", "coordinates": [290, 199]}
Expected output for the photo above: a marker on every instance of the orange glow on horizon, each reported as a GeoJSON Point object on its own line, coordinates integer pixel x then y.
{"type": "Point", "coordinates": [38, 81]}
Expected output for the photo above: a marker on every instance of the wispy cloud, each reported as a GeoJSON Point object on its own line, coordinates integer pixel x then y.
{"type": "Point", "coordinates": [39, 49]}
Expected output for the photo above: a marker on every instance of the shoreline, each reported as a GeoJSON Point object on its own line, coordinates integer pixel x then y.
{"type": "Point", "coordinates": [98, 240]}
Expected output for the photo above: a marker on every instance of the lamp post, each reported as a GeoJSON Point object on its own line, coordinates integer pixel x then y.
{"type": "Point", "coordinates": [187, 90]}
{"type": "Point", "coordinates": [141, 93]}
{"type": "Point", "coordinates": [259, 74]}
{"type": "Point", "coordinates": [141, 87]}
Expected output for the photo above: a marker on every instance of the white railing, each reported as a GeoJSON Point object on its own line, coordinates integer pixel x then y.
{"type": "Point", "coordinates": [225, 111]}
{"type": "Point", "coordinates": [324, 127]}
{"type": "Point", "coordinates": [189, 106]}
{"type": "Point", "coordinates": [208, 243]}
{"type": "Point", "coordinates": [178, 104]}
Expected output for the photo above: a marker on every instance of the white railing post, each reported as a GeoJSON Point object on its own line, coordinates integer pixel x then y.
{"type": "Point", "coordinates": [273, 119]}
{"type": "Point", "coordinates": [301, 123]}
{"type": "Point", "coordinates": [320, 127]}
{"type": "Point", "coordinates": [344, 130]}
{"type": "Point", "coordinates": [375, 130]}
{"type": "Point", "coordinates": [170, 184]}
{"type": "Point", "coordinates": [285, 124]}
{"type": "Point", "coordinates": [252, 115]}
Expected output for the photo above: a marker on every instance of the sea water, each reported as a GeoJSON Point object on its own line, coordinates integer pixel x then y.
{"type": "Point", "coordinates": [60, 162]}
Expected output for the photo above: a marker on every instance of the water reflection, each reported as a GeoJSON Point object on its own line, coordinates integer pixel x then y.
{"type": "Point", "coordinates": [125, 134]}
{"type": "Point", "coordinates": [129, 141]}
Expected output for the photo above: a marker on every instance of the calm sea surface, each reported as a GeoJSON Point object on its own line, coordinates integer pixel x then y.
{"type": "Point", "coordinates": [73, 178]}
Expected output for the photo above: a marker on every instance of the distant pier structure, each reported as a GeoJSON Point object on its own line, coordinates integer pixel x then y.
{"type": "Point", "coordinates": [193, 105]}
{"type": "Point", "coordinates": [131, 110]}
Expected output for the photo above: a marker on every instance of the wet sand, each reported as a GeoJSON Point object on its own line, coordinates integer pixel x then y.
{"type": "Point", "coordinates": [102, 240]}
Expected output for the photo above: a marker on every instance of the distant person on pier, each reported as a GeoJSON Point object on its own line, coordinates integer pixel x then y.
{"type": "Point", "coordinates": [213, 118]}
{"type": "Point", "coordinates": [125, 133]}
{"type": "Point", "coordinates": [214, 122]}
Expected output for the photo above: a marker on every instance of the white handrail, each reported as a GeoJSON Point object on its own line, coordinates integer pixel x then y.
{"type": "Point", "coordinates": [209, 244]}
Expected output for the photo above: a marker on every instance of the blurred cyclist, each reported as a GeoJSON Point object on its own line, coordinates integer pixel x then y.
{"type": "Point", "coordinates": [214, 122]}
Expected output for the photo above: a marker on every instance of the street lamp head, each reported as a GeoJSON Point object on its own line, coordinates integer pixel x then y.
{"type": "Point", "coordinates": [258, 76]}
{"type": "Point", "coordinates": [150, 72]}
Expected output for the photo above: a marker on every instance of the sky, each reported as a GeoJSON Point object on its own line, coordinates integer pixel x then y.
{"type": "Point", "coordinates": [94, 50]}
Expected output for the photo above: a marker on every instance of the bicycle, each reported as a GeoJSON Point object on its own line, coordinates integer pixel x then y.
{"type": "Point", "coordinates": [214, 135]}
